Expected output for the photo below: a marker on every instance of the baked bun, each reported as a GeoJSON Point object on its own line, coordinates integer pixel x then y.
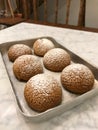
{"type": "Point", "coordinates": [17, 50]}
{"type": "Point", "coordinates": [41, 46]}
{"type": "Point", "coordinates": [77, 78]}
{"type": "Point", "coordinates": [56, 59]}
{"type": "Point", "coordinates": [26, 66]}
{"type": "Point", "coordinates": [42, 92]}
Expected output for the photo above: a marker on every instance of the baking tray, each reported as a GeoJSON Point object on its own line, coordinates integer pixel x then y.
{"type": "Point", "coordinates": [69, 100]}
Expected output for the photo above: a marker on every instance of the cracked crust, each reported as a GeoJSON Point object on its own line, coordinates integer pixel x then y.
{"type": "Point", "coordinates": [41, 46]}
{"type": "Point", "coordinates": [17, 50]}
{"type": "Point", "coordinates": [27, 66]}
{"type": "Point", "coordinates": [77, 78]}
{"type": "Point", "coordinates": [56, 59]}
{"type": "Point", "coordinates": [42, 92]}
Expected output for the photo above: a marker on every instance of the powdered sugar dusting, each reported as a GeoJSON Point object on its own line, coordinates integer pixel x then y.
{"type": "Point", "coordinates": [27, 66]}
{"type": "Point", "coordinates": [17, 50]}
{"type": "Point", "coordinates": [56, 59]}
{"type": "Point", "coordinates": [41, 46]}
{"type": "Point", "coordinates": [43, 92]}
{"type": "Point", "coordinates": [77, 78]}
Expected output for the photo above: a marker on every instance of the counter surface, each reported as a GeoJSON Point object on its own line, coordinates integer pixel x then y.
{"type": "Point", "coordinates": [82, 117]}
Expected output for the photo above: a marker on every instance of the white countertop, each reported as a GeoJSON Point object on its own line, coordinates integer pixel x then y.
{"type": "Point", "coordinates": [83, 117]}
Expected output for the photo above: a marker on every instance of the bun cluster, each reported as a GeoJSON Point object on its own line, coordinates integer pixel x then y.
{"type": "Point", "coordinates": [43, 91]}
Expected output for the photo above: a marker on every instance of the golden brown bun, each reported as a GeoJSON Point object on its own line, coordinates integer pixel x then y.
{"type": "Point", "coordinates": [42, 92]}
{"type": "Point", "coordinates": [56, 59]}
{"type": "Point", "coordinates": [26, 66]}
{"type": "Point", "coordinates": [41, 46]}
{"type": "Point", "coordinates": [17, 50]}
{"type": "Point", "coordinates": [77, 78]}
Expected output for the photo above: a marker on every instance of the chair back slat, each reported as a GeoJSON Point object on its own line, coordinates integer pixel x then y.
{"type": "Point", "coordinates": [35, 10]}
{"type": "Point", "coordinates": [45, 10]}
{"type": "Point", "coordinates": [56, 11]}
{"type": "Point", "coordinates": [25, 8]}
{"type": "Point", "coordinates": [68, 2]}
{"type": "Point", "coordinates": [81, 18]}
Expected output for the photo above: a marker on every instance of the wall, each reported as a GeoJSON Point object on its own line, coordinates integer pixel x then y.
{"type": "Point", "coordinates": [91, 19]}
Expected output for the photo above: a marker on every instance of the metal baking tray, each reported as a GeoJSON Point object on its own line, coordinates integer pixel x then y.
{"type": "Point", "coordinates": [69, 100]}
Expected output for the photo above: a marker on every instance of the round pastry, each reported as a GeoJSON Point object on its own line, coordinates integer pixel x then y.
{"type": "Point", "coordinates": [77, 78]}
{"type": "Point", "coordinates": [17, 50]}
{"type": "Point", "coordinates": [26, 66]}
{"type": "Point", "coordinates": [42, 92]}
{"type": "Point", "coordinates": [41, 46]}
{"type": "Point", "coordinates": [56, 59]}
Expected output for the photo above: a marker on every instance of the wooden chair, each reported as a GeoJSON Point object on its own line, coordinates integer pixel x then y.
{"type": "Point", "coordinates": [29, 7]}
{"type": "Point", "coordinates": [35, 19]}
